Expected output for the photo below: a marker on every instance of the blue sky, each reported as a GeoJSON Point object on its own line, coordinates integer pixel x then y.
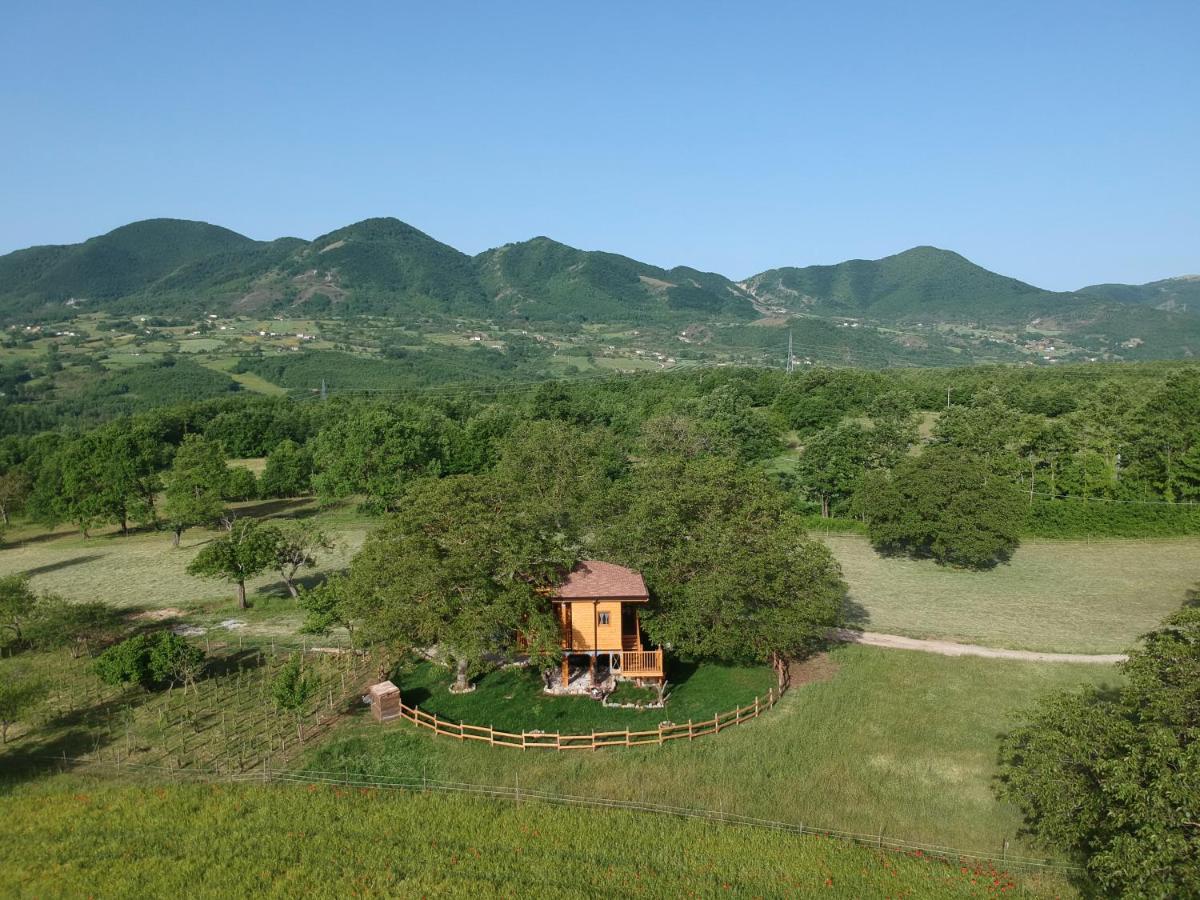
{"type": "Point", "coordinates": [1058, 142]}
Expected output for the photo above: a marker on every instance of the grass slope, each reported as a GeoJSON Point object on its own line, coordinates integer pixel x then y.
{"type": "Point", "coordinates": [101, 839]}
{"type": "Point", "coordinates": [1063, 596]}
{"type": "Point", "coordinates": [898, 742]}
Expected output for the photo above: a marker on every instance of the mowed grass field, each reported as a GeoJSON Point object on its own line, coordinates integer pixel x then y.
{"type": "Point", "coordinates": [898, 742]}
{"type": "Point", "coordinates": [1064, 596]}
{"type": "Point", "coordinates": [143, 571]}
{"type": "Point", "coordinates": [99, 838]}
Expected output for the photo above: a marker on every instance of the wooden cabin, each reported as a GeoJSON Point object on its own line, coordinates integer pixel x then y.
{"type": "Point", "coordinates": [597, 609]}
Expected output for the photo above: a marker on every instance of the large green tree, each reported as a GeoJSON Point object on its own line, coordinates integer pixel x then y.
{"type": "Point", "coordinates": [731, 572]}
{"type": "Point", "coordinates": [946, 504]}
{"type": "Point", "coordinates": [288, 472]}
{"type": "Point", "coordinates": [832, 462]}
{"type": "Point", "coordinates": [249, 548]}
{"type": "Point", "coordinates": [376, 451]}
{"type": "Point", "coordinates": [1112, 776]}
{"type": "Point", "coordinates": [195, 485]}
{"type": "Point", "coordinates": [460, 568]}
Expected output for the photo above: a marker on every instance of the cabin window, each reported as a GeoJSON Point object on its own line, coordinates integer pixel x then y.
{"type": "Point", "coordinates": [603, 618]}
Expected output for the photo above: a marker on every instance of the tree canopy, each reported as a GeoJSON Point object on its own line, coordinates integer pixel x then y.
{"type": "Point", "coordinates": [729, 567]}
{"type": "Point", "coordinates": [459, 567]}
{"type": "Point", "coordinates": [944, 504]}
{"type": "Point", "coordinates": [1112, 776]}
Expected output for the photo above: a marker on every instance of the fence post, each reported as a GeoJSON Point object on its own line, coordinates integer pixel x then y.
{"type": "Point", "coordinates": [626, 737]}
{"type": "Point", "coordinates": [522, 738]}
{"type": "Point", "coordinates": [716, 723]}
{"type": "Point", "coordinates": [491, 735]}
{"type": "Point", "coordinates": [593, 738]}
{"type": "Point", "coordinates": [756, 706]}
{"type": "Point", "coordinates": [660, 734]}
{"type": "Point", "coordinates": [690, 735]}
{"type": "Point", "coordinates": [461, 733]}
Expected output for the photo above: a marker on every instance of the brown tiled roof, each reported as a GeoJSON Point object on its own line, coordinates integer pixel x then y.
{"type": "Point", "coordinates": [595, 579]}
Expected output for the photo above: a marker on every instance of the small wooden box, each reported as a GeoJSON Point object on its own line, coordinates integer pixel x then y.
{"type": "Point", "coordinates": [385, 701]}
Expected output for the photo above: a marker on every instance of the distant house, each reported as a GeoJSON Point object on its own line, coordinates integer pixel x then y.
{"type": "Point", "coordinates": [597, 610]}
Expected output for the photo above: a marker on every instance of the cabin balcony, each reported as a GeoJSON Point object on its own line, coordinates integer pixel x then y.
{"type": "Point", "coordinates": [640, 663]}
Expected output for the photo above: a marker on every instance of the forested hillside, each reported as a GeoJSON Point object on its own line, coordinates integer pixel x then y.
{"type": "Point", "coordinates": [385, 268]}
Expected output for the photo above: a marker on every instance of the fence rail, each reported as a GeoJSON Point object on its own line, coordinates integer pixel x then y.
{"type": "Point", "coordinates": [518, 794]}
{"type": "Point", "coordinates": [553, 740]}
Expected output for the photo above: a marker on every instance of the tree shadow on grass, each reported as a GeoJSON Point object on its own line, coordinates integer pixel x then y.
{"type": "Point", "coordinates": [63, 564]}
{"type": "Point", "coordinates": [854, 614]}
{"type": "Point", "coordinates": [27, 759]}
{"type": "Point", "coordinates": [247, 660]}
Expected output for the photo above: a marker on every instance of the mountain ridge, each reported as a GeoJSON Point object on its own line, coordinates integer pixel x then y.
{"type": "Point", "coordinates": [385, 266]}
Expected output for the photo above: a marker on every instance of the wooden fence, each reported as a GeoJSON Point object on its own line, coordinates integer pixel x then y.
{"type": "Point", "coordinates": [552, 740]}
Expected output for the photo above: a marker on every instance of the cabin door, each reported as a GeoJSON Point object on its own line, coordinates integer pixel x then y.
{"type": "Point", "coordinates": [629, 628]}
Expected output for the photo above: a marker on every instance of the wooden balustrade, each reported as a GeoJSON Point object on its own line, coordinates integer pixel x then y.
{"type": "Point", "coordinates": [641, 662]}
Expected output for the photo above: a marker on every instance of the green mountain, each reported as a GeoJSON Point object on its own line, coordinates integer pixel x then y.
{"type": "Point", "coordinates": [384, 267]}
{"type": "Point", "coordinates": [1180, 294]}
{"type": "Point", "coordinates": [542, 279]}
{"type": "Point", "coordinates": [126, 261]}
{"type": "Point", "coordinates": [923, 284]}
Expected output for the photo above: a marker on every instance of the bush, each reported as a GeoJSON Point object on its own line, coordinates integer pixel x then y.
{"type": "Point", "coordinates": [1082, 518]}
{"type": "Point", "coordinates": [125, 663]}
{"type": "Point", "coordinates": [150, 660]}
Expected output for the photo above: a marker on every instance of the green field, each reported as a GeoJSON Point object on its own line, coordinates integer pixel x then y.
{"type": "Point", "coordinates": [894, 741]}
{"type": "Point", "coordinates": [103, 839]}
{"type": "Point", "coordinates": [1064, 596]}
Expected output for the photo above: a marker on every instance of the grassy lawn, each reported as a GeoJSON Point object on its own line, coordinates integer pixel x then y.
{"type": "Point", "coordinates": [1066, 596]}
{"type": "Point", "coordinates": [142, 570]}
{"type": "Point", "coordinates": [77, 837]}
{"type": "Point", "coordinates": [512, 699]}
{"type": "Point", "coordinates": [895, 741]}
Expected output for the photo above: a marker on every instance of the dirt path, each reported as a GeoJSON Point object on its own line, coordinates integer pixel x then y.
{"type": "Point", "coordinates": [949, 648]}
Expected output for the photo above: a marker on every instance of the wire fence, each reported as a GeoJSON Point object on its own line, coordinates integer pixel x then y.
{"type": "Point", "coordinates": [515, 793]}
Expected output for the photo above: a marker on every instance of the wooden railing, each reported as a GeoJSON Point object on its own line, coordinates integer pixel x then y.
{"type": "Point", "coordinates": [641, 662]}
{"type": "Point", "coordinates": [552, 740]}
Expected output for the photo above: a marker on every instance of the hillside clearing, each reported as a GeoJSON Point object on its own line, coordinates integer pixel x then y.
{"type": "Point", "coordinates": [1054, 596]}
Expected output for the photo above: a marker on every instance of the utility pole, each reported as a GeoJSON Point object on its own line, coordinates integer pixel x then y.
{"type": "Point", "coordinates": [791, 360]}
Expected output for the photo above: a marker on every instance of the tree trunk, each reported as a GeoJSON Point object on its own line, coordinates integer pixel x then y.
{"type": "Point", "coordinates": [824, 506]}
{"type": "Point", "coordinates": [289, 584]}
{"type": "Point", "coordinates": [241, 594]}
{"type": "Point", "coordinates": [178, 533]}
{"type": "Point", "coordinates": [461, 682]}
{"type": "Point", "coordinates": [4, 515]}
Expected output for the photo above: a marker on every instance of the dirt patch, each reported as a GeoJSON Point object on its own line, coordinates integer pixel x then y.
{"type": "Point", "coordinates": [159, 615]}
{"type": "Point", "coordinates": [812, 670]}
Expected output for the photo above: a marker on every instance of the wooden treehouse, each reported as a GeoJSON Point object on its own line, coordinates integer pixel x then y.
{"type": "Point", "coordinates": [597, 610]}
